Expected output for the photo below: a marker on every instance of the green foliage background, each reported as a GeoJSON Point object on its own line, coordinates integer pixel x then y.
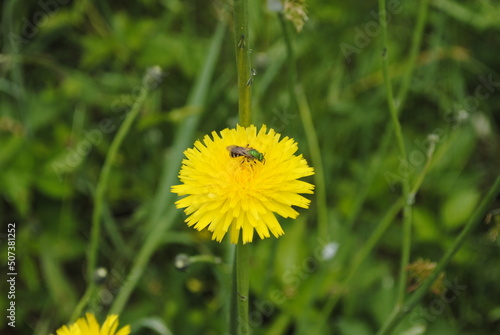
{"type": "Point", "coordinates": [71, 72]}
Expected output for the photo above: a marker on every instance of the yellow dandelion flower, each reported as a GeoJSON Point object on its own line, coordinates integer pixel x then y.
{"type": "Point", "coordinates": [88, 325]}
{"type": "Point", "coordinates": [238, 180]}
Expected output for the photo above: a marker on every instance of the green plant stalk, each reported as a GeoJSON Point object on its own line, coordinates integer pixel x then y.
{"type": "Point", "coordinates": [89, 292]}
{"type": "Point", "coordinates": [240, 293]}
{"type": "Point", "coordinates": [401, 98]}
{"type": "Point", "coordinates": [298, 97]}
{"type": "Point", "coordinates": [377, 234]}
{"type": "Point", "coordinates": [102, 185]}
{"type": "Point", "coordinates": [319, 175]}
{"type": "Point", "coordinates": [387, 82]}
{"type": "Point", "coordinates": [16, 59]}
{"type": "Point", "coordinates": [233, 300]}
{"type": "Point", "coordinates": [389, 217]}
{"type": "Point", "coordinates": [372, 241]}
{"type": "Point", "coordinates": [243, 61]}
{"type": "Point", "coordinates": [292, 72]}
{"type": "Point", "coordinates": [242, 288]}
{"type": "Point", "coordinates": [414, 49]}
{"type": "Point", "coordinates": [297, 94]}
{"type": "Point", "coordinates": [423, 173]}
{"type": "Point", "coordinates": [374, 238]}
{"type": "Point", "coordinates": [371, 175]}
{"type": "Point", "coordinates": [98, 203]}
{"type": "Point", "coordinates": [400, 311]}
{"type": "Point", "coordinates": [406, 244]}
{"type": "Point", "coordinates": [160, 220]}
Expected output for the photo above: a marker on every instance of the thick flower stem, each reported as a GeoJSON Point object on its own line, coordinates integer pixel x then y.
{"type": "Point", "coordinates": [245, 78]}
{"type": "Point", "coordinates": [243, 61]}
{"type": "Point", "coordinates": [242, 287]}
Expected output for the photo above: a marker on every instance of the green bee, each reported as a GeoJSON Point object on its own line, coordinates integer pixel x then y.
{"type": "Point", "coordinates": [249, 153]}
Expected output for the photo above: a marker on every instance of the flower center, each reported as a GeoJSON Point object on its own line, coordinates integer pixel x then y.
{"type": "Point", "coordinates": [242, 171]}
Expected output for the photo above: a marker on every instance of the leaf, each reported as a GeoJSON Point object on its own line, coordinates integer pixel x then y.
{"type": "Point", "coordinates": [459, 207]}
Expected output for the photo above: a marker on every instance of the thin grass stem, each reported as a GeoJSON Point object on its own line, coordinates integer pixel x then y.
{"type": "Point", "coordinates": [160, 219]}
{"type": "Point", "coordinates": [100, 192]}
{"type": "Point", "coordinates": [406, 240]}
{"type": "Point", "coordinates": [359, 258]}
{"type": "Point", "coordinates": [102, 184]}
{"type": "Point", "coordinates": [400, 311]}
{"type": "Point", "coordinates": [298, 96]}
{"type": "Point", "coordinates": [414, 49]}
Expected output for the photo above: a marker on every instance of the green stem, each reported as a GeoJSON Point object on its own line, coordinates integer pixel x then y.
{"type": "Point", "coordinates": [389, 217]}
{"type": "Point", "coordinates": [240, 268]}
{"type": "Point", "coordinates": [102, 185]}
{"type": "Point", "coordinates": [319, 175]}
{"type": "Point", "coordinates": [160, 220]}
{"type": "Point", "coordinates": [297, 93]}
{"type": "Point", "coordinates": [476, 217]}
{"type": "Point", "coordinates": [292, 72]}
{"type": "Point", "coordinates": [377, 234]}
{"type": "Point", "coordinates": [243, 61]}
{"type": "Point", "coordinates": [387, 81]}
{"type": "Point", "coordinates": [372, 173]}
{"type": "Point", "coordinates": [423, 173]}
{"type": "Point", "coordinates": [360, 257]}
{"type": "Point", "coordinates": [373, 239]}
{"type": "Point", "coordinates": [89, 292]}
{"type": "Point", "coordinates": [406, 244]}
{"type": "Point", "coordinates": [242, 287]}
{"type": "Point", "coordinates": [233, 302]}
{"type": "Point", "coordinates": [401, 98]}
{"type": "Point", "coordinates": [414, 49]}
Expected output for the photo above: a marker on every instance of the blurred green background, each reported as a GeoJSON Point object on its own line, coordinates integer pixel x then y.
{"type": "Point", "coordinates": [71, 71]}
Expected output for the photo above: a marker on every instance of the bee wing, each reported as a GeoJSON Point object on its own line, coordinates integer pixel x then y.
{"type": "Point", "coordinates": [235, 150]}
